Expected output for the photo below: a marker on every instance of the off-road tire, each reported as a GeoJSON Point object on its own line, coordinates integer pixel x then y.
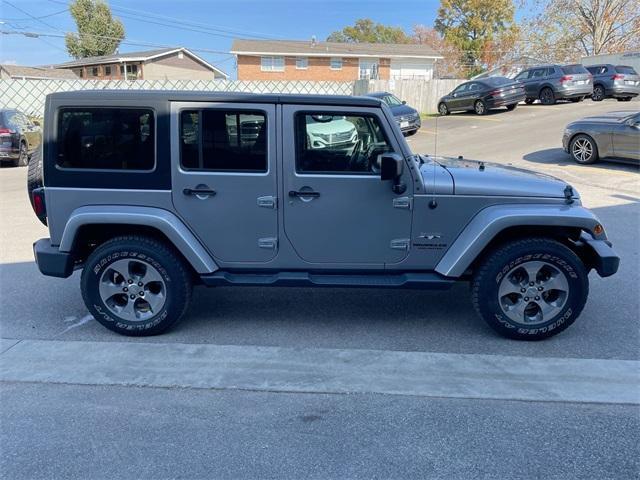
{"type": "Point", "coordinates": [512, 107]}
{"type": "Point", "coordinates": [501, 260]}
{"type": "Point", "coordinates": [480, 108]}
{"type": "Point", "coordinates": [547, 97]}
{"type": "Point", "coordinates": [23, 156]}
{"type": "Point", "coordinates": [598, 93]}
{"type": "Point", "coordinates": [168, 264]}
{"type": "Point", "coordinates": [594, 147]}
{"type": "Point", "coordinates": [34, 173]}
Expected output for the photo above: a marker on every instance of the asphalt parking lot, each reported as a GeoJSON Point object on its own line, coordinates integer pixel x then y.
{"type": "Point", "coordinates": [384, 435]}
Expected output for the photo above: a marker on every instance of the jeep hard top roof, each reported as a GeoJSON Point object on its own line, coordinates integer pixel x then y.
{"type": "Point", "coordinates": [232, 97]}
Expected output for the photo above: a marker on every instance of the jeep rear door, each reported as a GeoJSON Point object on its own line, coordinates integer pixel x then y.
{"type": "Point", "coordinates": [336, 208]}
{"type": "Point", "coordinates": [224, 177]}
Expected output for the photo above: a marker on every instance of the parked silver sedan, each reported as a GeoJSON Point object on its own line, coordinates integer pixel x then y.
{"type": "Point", "coordinates": [610, 135]}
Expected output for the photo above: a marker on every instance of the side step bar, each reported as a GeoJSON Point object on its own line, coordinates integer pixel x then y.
{"type": "Point", "coordinates": [300, 279]}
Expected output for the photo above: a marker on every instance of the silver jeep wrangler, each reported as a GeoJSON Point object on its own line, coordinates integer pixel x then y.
{"type": "Point", "coordinates": [150, 193]}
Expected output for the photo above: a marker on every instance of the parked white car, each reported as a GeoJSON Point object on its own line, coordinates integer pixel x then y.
{"type": "Point", "coordinates": [330, 131]}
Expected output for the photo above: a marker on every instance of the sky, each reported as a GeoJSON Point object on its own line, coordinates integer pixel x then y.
{"type": "Point", "coordinates": [212, 24]}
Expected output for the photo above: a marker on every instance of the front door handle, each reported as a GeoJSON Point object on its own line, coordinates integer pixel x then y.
{"type": "Point", "coordinates": [294, 193]}
{"type": "Point", "coordinates": [199, 191]}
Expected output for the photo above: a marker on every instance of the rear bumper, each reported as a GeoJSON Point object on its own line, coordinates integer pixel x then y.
{"type": "Point", "coordinates": [598, 254]}
{"type": "Point", "coordinates": [573, 92]}
{"type": "Point", "coordinates": [51, 261]}
{"type": "Point", "coordinates": [624, 91]}
{"type": "Point", "coordinates": [501, 102]}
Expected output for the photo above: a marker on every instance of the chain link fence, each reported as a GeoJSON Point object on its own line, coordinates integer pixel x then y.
{"type": "Point", "coordinates": [28, 96]}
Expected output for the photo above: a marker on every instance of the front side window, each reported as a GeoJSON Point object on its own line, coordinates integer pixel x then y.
{"type": "Point", "coordinates": [302, 63]}
{"type": "Point", "coordinates": [523, 75]}
{"type": "Point", "coordinates": [461, 89]}
{"type": "Point", "coordinates": [336, 63]}
{"type": "Point", "coordinates": [539, 73]}
{"type": "Point", "coordinates": [339, 143]}
{"type": "Point", "coordinates": [223, 140]}
{"type": "Point", "coordinates": [272, 64]}
{"type": "Point", "coordinates": [106, 138]}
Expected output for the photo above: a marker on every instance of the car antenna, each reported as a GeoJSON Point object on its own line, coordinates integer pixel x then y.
{"type": "Point", "coordinates": [433, 204]}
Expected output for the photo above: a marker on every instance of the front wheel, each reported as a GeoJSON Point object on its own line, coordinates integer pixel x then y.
{"type": "Point", "coordinates": [598, 93]}
{"type": "Point", "coordinates": [547, 97]}
{"type": "Point", "coordinates": [443, 109]}
{"type": "Point", "coordinates": [530, 289]}
{"type": "Point", "coordinates": [136, 286]}
{"type": "Point", "coordinates": [583, 149]}
{"type": "Point", "coordinates": [480, 107]}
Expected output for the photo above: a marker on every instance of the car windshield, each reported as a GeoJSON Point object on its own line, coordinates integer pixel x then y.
{"type": "Point", "coordinates": [626, 70]}
{"type": "Point", "coordinates": [392, 100]}
{"type": "Point", "coordinates": [573, 69]}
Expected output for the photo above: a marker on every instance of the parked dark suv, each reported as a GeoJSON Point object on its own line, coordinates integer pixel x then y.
{"type": "Point", "coordinates": [549, 83]}
{"type": "Point", "coordinates": [19, 137]}
{"type": "Point", "coordinates": [614, 81]}
{"type": "Point", "coordinates": [407, 118]}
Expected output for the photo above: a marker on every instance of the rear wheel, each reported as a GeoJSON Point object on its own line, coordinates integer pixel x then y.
{"type": "Point", "coordinates": [530, 289]}
{"type": "Point", "coordinates": [512, 106]}
{"type": "Point", "coordinates": [547, 97]}
{"type": "Point", "coordinates": [136, 286]}
{"type": "Point", "coordinates": [23, 156]}
{"type": "Point", "coordinates": [624, 99]}
{"type": "Point", "coordinates": [583, 149]}
{"type": "Point", "coordinates": [598, 93]}
{"type": "Point", "coordinates": [480, 107]}
{"type": "Point", "coordinates": [443, 109]}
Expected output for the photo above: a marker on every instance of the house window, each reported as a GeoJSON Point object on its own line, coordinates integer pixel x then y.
{"type": "Point", "coordinates": [132, 71]}
{"type": "Point", "coordinates": [336, 63]}
{"type": "Point", "coordinates": [302, 63]}
{"type": "Point", "coordinates": [81, 73]}
{"type": "Point", "coordinates": [107, 71]}
{"type": "Point", "coordinates": [272, 64]}
{"type": "Point", "coordinates": [95, 71]}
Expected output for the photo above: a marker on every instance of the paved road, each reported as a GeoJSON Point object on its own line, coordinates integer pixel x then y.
{"type": "Point", "coordinates": [125, 432]}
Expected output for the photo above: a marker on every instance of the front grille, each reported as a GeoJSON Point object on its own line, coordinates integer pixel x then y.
{"type": "Point", "coordinates": [412, 117]}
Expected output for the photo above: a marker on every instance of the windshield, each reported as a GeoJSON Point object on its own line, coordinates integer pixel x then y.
{"type": "Point", "coordinates": [392, 100]}
{"type": "Point", "coordinates": [627, 70]}
{"type": "Point", "coordinates": [495, 81]}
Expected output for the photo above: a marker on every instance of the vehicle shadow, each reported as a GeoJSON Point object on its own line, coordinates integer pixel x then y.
{"type": "Point", "coordinates": [557, 156]}
{"type": "Point", "coordinates": [471, 113]}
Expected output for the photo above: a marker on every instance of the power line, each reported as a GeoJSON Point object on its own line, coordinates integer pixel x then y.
{"type": "Point", "coordinates": [34, 18]}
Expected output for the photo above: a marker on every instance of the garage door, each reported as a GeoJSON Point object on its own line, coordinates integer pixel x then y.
{"type": "Point", "coordinates": [411, 69]}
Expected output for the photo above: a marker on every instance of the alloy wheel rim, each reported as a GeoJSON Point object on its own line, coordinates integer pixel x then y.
{"type": "Point", "coordinates": [132, 290]}
{"type": "Point", "coordinates": [598, 93]}
{"type": "Point", "coordinates": [479, 107]}
{"type": "Point", "coordinates": [582, 150]}
{"type": "Point", "coordinates": [533, 293]}
{"type": "Point", "coordinates": [443, 109]}
{"type": "Point", "coordinates": [23, 154]}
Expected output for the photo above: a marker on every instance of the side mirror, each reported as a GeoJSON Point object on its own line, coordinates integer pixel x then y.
{"type": "Point", "coordinates": [404, 102]}
{"type": "Point", "coordinates": [391, 168]}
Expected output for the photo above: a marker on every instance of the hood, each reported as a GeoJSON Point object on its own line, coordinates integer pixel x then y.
{"type": "Point", "coordinates": [472, 177]}
{"type": "Point", "coordinates": [399, 110]}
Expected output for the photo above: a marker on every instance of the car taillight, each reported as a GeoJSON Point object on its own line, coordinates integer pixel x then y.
{"type": "Point", "coordinates": [617, 76]}
{"type": "Point", "coordinates": [6, 131]}
{"type": "Point", "coordinates": [39, 205]}
{"type": "Point", "coordinates": [566, 78]}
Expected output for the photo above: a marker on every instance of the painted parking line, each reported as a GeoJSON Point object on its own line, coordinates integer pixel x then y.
{"type": "Point", "coordinates": [316, 370]}
{"type": "Point", "coordinates": [477, 117]}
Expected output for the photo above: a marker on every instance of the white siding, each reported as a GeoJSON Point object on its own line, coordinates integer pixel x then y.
{"type": "Point", "coordinates": [411, 68]}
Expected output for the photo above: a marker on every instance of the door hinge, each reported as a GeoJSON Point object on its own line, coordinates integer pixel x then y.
{"type": "Point", "coordinates": [400, 244]}
{"type": "Point", "coordinates": [402, 202]}
{"type": "Point", "coordinates": [268, 201]}
{"type": "Point", "coordinates": [268, 243]}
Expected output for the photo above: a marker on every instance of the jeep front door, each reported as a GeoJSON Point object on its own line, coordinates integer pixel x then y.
{"type": "Point", "coordinates": [336, 208]}
{"type": "Point", "coordinates": [224, 177]}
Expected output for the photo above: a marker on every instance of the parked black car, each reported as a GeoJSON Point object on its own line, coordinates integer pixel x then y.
{"type": "Point", "coordinates": [19, 137]}
{"type": "Point", "coordinates": [549, 83]}
{"type": "Point", "coordinates": [407, 118]}
{"type": "Point", "coordinates": [614, 81]}
{"type": "Point", "coordinates": [482, 95]}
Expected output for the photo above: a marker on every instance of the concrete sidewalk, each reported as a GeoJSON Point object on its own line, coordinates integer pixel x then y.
{"type": "Point", "coordinates": [313, 370]}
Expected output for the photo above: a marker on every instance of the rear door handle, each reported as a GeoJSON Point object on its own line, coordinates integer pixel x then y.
{"type": "Point", "coordinates": [198, 191]}
{"type": "Point", "coordinates": [294, 193]}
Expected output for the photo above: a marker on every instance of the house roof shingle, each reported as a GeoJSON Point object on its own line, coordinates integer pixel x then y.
{"type": "Point", "coordinates": [302, 47]}
{"type": "Point", "coordinates": [19, 71]}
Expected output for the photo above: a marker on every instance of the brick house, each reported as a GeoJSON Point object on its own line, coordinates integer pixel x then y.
{"type": "Point", "coordinates": [311, 60]}
{"type": "Point", "coordinates": [166, 63]}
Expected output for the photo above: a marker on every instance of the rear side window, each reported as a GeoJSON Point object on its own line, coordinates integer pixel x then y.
{"type": "Point", "coordinates": [339, 143]}
{"type": "Point", "coordinates": [573, 69]}
{"type": "Point", "coordinates": [597, 70]}
{"type": "Point", "coordinates": [106, 138]}
{"type": "Point", "coordinates": [223, 140]}
{"type": "Point", "coordinates": [625, 70]}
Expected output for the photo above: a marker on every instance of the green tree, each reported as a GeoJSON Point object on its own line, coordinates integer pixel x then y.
{"type": "Point", "coordinates": [366, 30]}
{"type": "Point", "coordinates": [476, 27]}
{"type": "Point", "coordinates": [98, 32]}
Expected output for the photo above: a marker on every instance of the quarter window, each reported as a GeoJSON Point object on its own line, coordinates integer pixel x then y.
{"type": "Point", "coordinates": [106, 138]}
{"type": "Point", "coordinates": [223, 140]}
{"type": "Point", "coordinates": [272, 64]}
{"type": "Point", "coordinates": [336, 63]}
{"type": "Point", "coordinates": [339, 143]}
